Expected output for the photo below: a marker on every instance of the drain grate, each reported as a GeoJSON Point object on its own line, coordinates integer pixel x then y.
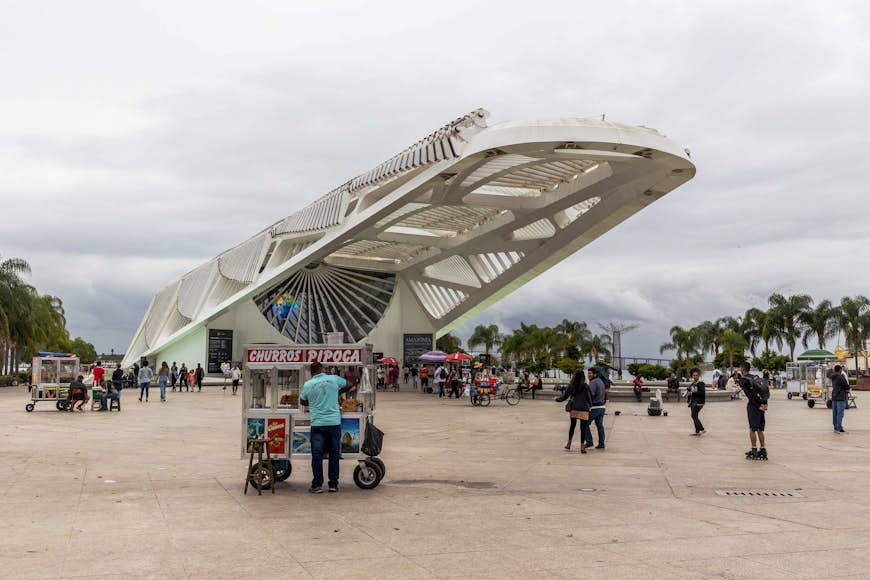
{"type": "Point", "coordinates": [757, 493]}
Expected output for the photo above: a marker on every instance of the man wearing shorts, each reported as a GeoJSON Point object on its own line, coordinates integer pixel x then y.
{"type": "Point", "coordinates": [756, 407]}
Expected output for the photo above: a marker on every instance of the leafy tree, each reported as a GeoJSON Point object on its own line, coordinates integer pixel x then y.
{"type": "Point", "coordinates": [569, 365]}
{"type": "Point", "coordinates": [447, 343]}
{"type": "Point", "coordinates": [649, 371]}
{"type": "Point", "coordinates": [788, 314]}
{"type": "Point", "coordinates": [770, 360]}
{"type": "Point", "coordinates": [761, 325]}
{"type": "Point", "coordinates": [84, 350]}
{"type": "Point", "coordinates": [486, 335]}
{"type": "Point", "coordinates": [598, 347]}
{"type": "Point", "coordinates": [576, 334]}
{"type": "Point", "coordinates": [684, 342]}
{"type": "Point", "coordinates": [819, 323]}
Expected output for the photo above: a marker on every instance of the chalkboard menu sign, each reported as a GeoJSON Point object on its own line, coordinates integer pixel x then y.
{"type": "Point", "coordinates": [413, 345]}
{"type": "Point", "coordinates": [376, 356]}
{"type": "Point", "coordinates": [220, 349]}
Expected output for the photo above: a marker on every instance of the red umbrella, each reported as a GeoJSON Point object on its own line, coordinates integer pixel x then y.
{"type": "Point", "coordinates": [388, 360]}
{"type": "Point", "coordinates": [458, 357]}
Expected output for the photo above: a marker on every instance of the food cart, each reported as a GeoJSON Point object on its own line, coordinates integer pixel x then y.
{"type": "Point", "coordinates": [52, 373]}
{"type": "Point", "coordinates": [273, 380]}
{"type": "Point", "coordinates": [796, 379]}
{"type": "Point", "coordinates": [819, 384]}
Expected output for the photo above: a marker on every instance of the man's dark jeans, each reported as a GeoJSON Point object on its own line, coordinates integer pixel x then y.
{"type": "Point", "coordinates": [596, 416]}
{"type": "Point", "coordinates": [325, 439]}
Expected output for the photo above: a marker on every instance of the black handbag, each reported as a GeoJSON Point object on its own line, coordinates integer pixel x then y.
{"type": "Point", "coordinates": [569, 404]}
{"type": "Point", "coordinates": [373, 440]}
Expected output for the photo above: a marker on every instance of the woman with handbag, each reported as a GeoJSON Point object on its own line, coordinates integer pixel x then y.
{"type": "Point", "coordinates": [579, 399]}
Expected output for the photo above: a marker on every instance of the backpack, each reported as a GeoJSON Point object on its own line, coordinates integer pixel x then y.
{"type": "Point", "coordinates": [760, 387]}
{"type": "Point", "coordinates": [443, 374]}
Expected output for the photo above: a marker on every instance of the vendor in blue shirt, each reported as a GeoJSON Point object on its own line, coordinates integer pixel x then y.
{"type": "Point", "coordinates": [320, 394]}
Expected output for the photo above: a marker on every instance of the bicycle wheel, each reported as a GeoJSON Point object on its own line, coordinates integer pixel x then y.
{"type": "Point", "coordinates": [512, 397]}
{"type": "Point", "coordinates": [484, 400]}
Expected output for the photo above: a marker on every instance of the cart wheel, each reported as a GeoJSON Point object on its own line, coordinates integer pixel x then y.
{"type": "Point", "coordinates": [811, 403]}
{"type": "Point", "coordinates": [60, 405]}
{"type": "Point", "coordinates": [377, 461]}
{"type": "Point", "coordinates": [804, 396]}
{"type": "Point", "coordinates": [64, 405]}
{"type": "Point", "coordinates": [829, 404]}
{"type": "Point", "coordinates": [283, 468]}
{"type": "Point", "coordinates": [789, 396]}
{"type": "Point", "coordinates": [484, 400]}
{"type": "Point", "coordinates": [29, 407]}
{"type": "Point", "coordinates": [512, 397]}
{"type": "Point", "coordinates": [367, 475]}
{"type": "Point", "coordinates": [261, 480]}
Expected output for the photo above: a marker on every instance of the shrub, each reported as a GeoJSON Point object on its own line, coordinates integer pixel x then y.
{"type": "Point", "coordinates": [649, 371]}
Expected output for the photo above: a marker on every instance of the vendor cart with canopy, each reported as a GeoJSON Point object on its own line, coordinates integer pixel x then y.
{"type": "Point", "coordinates": [51, 375]}
{"type": "Point", "coordinates": [272, 383]}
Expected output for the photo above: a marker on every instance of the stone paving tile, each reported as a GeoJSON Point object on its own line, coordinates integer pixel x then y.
{"type": "Point", "coordinates": [474, 493]}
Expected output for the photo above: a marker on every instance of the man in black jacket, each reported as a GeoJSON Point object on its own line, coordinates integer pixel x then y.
{"type": "Point", "coordinates": [839, 397]}
{"type": "Point", "coordinates": [756, 407]}
{"type": "Point", "coordinates": [198, 376]}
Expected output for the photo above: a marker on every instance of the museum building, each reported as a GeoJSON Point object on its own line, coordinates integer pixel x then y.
{"type": "Point", "coordinates": [406, 251]}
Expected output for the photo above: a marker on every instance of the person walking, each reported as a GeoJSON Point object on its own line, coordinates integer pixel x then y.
{"type": "Point", "coordinates": [757, 394]}
{"type": "Point", "coordinates": [381, 375]}
{"type": "Point", "coordinates": [145, 375]}
{"type": "Point", "coordinates": [579, 399]}
{"type": "Point", "coordinates": [596, 411]}
{"type": "Point", "coordinates": [406, 373]}
{"type": "Point", "coordinates": [99, 372]}
{"type": "Point", "coordinates": [454, 384]}
{"type": "Point", "coordinates": [173, 375]}
{"type": "Point", "coordinates": [198, 375]}
{"type": "Point", "coordinates": [162, 379]}
{"type": "Point", "coordinates": [320, 394]}
{"type": "Point", "coordinates": [414, 372]}
{"type": "Point", "coordinates": [839, 397]}
{"type": "Point", "coordinates": [424, 378]}
{"type": "Point", "coordinates": [697, 395]}
{"type": "Point", "coordinates": [191, 381]}
{"type": "Point", "coordinates": [393, 376]}
{"type": "Point", "coordinates": [182, 378]}
{"type": "Point", "coordinates": [236, 375]}
{"type": "Point", "coordinates": [440, 377]}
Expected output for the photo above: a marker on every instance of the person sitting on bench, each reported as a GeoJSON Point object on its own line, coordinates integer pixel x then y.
{"type": "Point", "coordinates": [111, 391]}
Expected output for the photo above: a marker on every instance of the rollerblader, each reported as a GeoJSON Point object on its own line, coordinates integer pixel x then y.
{"type": "Point", "coordinates": [757, 394]}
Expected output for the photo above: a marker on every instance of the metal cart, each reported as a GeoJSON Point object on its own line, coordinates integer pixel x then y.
{"type": "Point", "coordinates": [819, 383]}
{"type": "Point", "coordinates": [52, 373]}
{"type": "Point", "coordinates": [796, 379]}
{"type": "Point", "coordinates": [273, 380]}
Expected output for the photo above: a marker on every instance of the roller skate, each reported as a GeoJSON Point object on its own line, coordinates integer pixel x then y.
{"type": "Point", "coordinates": [762, 454]}
{"type": "Point", "coordinates": [752, 454]}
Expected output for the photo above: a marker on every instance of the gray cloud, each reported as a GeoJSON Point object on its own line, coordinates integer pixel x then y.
{"type": "Point", "coordinates": [129, 154]}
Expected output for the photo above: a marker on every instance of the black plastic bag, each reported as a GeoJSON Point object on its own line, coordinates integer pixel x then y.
{"type": "Point", "coordinates": [373, 440]}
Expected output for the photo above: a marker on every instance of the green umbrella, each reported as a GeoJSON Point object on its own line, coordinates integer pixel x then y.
{"type": "Point", "coordinates": [817, 354]}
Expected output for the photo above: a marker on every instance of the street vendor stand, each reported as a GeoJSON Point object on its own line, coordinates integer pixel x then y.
{"type": "Point", "coordinates": [273, 380]}
{"type": "Point", "coordinates": [52, 373]}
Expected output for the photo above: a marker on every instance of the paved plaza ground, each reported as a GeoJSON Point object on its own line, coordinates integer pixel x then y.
{"type": "Point", "coordinates": [156, 491]}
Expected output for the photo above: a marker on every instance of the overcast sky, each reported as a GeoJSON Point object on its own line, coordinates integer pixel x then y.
{"type": "Point", "coordinates": [139, 139]}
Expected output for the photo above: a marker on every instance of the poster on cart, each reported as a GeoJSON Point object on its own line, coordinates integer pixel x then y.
{"type": "Point", "coordinates": [276, 433]}
{"type": "Point", "coordinates": [256, 430]}
{"type": "Point", "coordinates": [350, 435]}
{"type": "Point", "coordinates": [301, 441]}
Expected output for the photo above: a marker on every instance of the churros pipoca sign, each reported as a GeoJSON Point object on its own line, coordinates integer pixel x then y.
{"type": "Point", "coordinates": [278, 355]}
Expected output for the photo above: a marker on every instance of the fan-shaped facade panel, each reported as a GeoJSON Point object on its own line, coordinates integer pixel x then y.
{"type": "Point", "coordinates": [319, 299]}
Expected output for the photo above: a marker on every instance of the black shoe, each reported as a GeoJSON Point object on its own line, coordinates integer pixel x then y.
{"type": "Point", "coordinates": [762, 454]}
{"type": "Point", "coordinates": [315, 490]}
{"type": "Point", "coordinates": [599, 447]}
{"type": "Point", "coordinates": [752, 454]}
{"type": "Point", "coordinates": [333, 489]}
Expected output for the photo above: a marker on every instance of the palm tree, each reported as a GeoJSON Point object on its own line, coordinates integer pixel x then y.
{"type": "Point", "coordinates": [760, 325]}
{"type": "Point", "coordinates": [733, 343]}
{"type": "Point", "coordinates": [576, 333]}
{"type": "Point", "coordinates": [14, 294]}
{"type": "Point", "coordinates": [819, 322]}
{"type": "Point", "coordinates": [684, 341]}
{"type": "Point", "coordinates": [854, 319]}
{"type": "Point", "coordinates": [787, 313]}
{"type": "Point", "coordinates": [598, 345]}
{"type": "Point", "coordinates": [486, 335]}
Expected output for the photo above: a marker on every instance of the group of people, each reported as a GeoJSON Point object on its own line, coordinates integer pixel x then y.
{"type": "Point", "coordinates": [586, 403]}
{"type": "Point", "coordinates": [111, 389]}
{"type": "Point", "coordinates": [189, 380]}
